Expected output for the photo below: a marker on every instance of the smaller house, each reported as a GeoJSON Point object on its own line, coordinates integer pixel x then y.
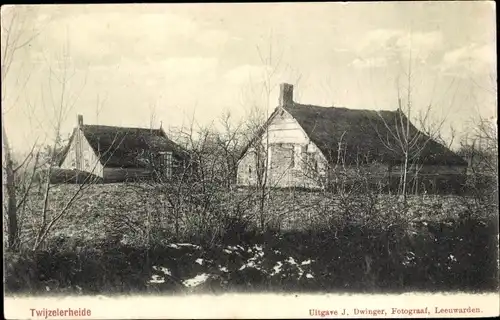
{"type": "Point", "coordinates": [117, 154]}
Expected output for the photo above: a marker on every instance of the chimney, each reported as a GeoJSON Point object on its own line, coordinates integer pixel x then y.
{"type": "Point", "coordinates": [286, 95]}
{"type": "Point", "coordinates": [80, 120]}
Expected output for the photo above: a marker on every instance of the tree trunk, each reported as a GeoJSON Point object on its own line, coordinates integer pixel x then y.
{"type": "Point", "coordinates": [417, 191]}
{"type": "Point", "coordinates": [13, 232]}
{"type": "Point", "coordinates": [405, 177]}
{"type": "Point", "coordinates": [389, 178]}
{"type": "Point", "coordinates": [261, 175]}
{"type": "Point", "coordinates": [177, 217]}
{"type": "Point", "coordinates": [262, 219]}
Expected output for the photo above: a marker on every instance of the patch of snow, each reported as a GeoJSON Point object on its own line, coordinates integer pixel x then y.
{"type": "Point", "coordinates": [227, 251]}
{"type": "Point", "coordinates": [301, 272]}
{"type": "Point", "coordinates": [156, 279]}
{"type": "Point", "coordinates": [277, 268]}
{"type": "Point", "coordinates": [177, 245]}
{"type": "Point", "coordinates": [199, 261]}
{"type": "Point", "coordinates": [232, 248]}
{"type": "Point", "coordinates": [196, 281]}
{"type": "Point", "coordinates": [292, 261]}
{"type": "Point", "coordinates": [306, 262]}
{"type": "Point", "coordinates": [162, 269]}
{"type": "Point", "coordinates": [309, 276]}
{"type": "Point", "coordinates": [277, 251]}
{"type": "Point", "coordinates": [250, 264]}
{"type": "Point", "coordinates": [188, 245]}
{"type": "Point", "coordinates": [223, 269]}
{"type": "Point", "coordinates": [253, 261]}
{"type": "Point", "coordinates": [258, 248]}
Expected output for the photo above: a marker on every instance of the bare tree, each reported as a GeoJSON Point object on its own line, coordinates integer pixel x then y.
{"type": "Point", "coordinates": [480, 148]}
{"type": "Point", "coordinates": [225, 144]}
{"type": "Point", "coordinates": [402, 138]}
{"type": "Point", "coordinates": [99, 106]}
{"type": "Point", "coordinates": [57, 102]}
{"type": "Point", "coordinates": [257, 124]}
{"type": "Point", "coordinates": [15, 37]}
{"type": "Point", "coordinates": [152, 115]}
{"type": "Point", "coordinates": [482, 140]}
{"type": "Point", "coordinates": [57, 105]}
{"type": "Point", "coordinates": [487, 139]}
{"type": "Point", "coordinates": [193, 196]}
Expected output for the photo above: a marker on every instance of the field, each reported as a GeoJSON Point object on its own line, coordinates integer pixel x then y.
{"type": "Point", "coordinates": [101, 205]}
{"type": "Point", "coordinates": [136, 237]}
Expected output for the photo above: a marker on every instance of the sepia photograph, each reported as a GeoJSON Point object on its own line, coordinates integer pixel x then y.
{"type": "Point", "coordinates": [250, 160]}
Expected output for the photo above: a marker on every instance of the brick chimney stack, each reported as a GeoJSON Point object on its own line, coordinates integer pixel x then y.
{"type": "Point", "coordinates": [286, 95]}
{"type": "Point", "coordinates": [80, 120]}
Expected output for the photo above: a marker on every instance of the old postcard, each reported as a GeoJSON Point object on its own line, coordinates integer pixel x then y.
{"type": "Point", "coordinates": [250, 160]}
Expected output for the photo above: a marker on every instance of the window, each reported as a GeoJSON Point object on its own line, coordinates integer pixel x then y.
{"type": "Point", "coordinates": [167, 163]}
{"type": "Point", "coordinates": [249, 169]}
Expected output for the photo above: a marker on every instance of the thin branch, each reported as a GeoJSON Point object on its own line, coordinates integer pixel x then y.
{"type": "Point", "coordinates": [30, 183]}
{"type": "Point", "coordinates": [26, 158]}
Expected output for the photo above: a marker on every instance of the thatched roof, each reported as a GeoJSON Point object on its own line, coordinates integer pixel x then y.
{"type": "Point", "coordinates": [122, 146]}
{"type": "Point", "coordinates": [365, 135]}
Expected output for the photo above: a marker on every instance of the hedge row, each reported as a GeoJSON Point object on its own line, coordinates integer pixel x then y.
{"type": "Point", "coordinates": [428, 256]}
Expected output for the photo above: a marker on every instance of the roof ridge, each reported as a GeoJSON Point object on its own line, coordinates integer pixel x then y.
{"type": "Point", "coordinates": [120, 127]}
{"type": "Point", "coordinates": [337, 107]}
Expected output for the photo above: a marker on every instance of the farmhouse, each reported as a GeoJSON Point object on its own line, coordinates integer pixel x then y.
{"type": "Point", "coordinates": [116, 154]}
{"type": "Point", "coordinates": [307, 146]}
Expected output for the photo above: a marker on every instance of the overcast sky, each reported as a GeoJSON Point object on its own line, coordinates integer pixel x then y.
{"type": "Point", "coordinates": [202, 60]}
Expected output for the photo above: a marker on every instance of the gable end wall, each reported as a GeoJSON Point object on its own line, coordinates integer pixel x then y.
{"type": "Point", "coordinates": [285, 136]}
{"type": "Point", "coordinates": [87, 160]}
